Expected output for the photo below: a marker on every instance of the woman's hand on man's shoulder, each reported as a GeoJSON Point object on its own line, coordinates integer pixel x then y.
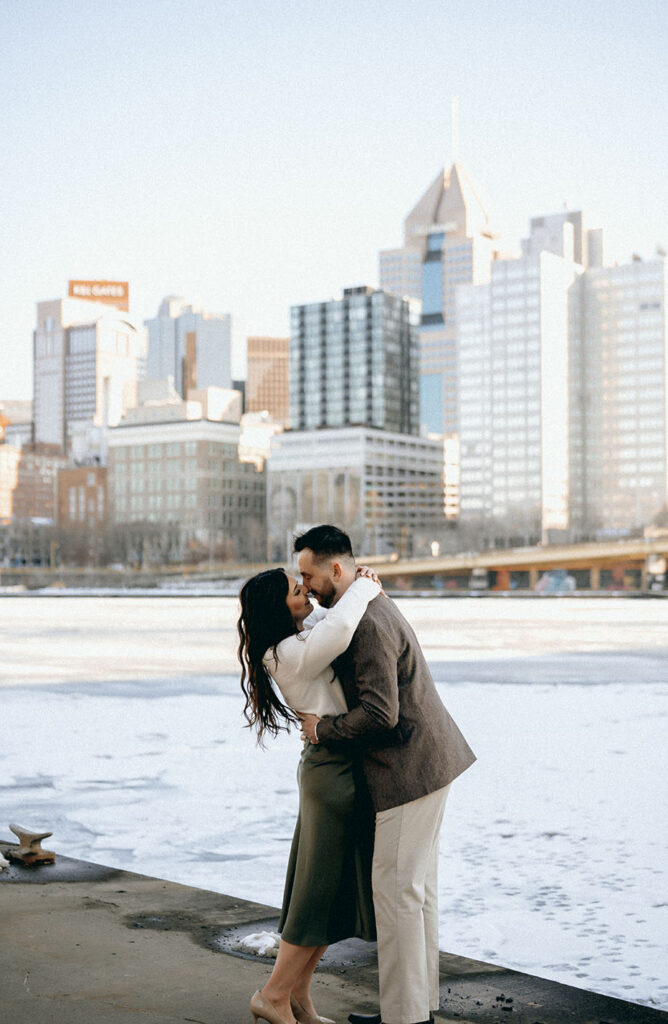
{"type": "Point", "coordinates": [367, 572]}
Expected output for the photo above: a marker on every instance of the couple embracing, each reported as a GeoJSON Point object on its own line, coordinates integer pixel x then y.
{"type": "Point", "coordinates": [380, 752]}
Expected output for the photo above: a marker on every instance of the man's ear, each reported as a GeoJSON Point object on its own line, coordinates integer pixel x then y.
{"type": "Point", "coordinates": [337, 571]}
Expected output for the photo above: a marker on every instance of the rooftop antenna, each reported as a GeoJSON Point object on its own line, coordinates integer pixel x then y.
{"type": "Point", "coordinates": [454, 128]}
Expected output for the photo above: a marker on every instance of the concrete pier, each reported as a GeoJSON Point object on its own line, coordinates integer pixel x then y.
{"type": "Point", "coordinates": [85, 944]}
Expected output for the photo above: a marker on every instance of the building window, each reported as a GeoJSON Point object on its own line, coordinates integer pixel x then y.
{"type": "Point", "coordinates": [432, 289]}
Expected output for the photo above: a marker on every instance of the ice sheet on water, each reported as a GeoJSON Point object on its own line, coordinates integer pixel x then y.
{"type": "Point", "coordinates": [552, 854]}
{"type": "Point", "coordinates": [30, 782]}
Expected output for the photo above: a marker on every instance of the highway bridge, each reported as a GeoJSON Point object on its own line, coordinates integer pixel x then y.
{"type": "Point", "coordinates": [638, 564]}
{"type": "Point", "coordinates": [619, 564]}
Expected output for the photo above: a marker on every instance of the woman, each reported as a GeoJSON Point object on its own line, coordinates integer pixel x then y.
{"type": "Point", "coordinates": [328, 886]}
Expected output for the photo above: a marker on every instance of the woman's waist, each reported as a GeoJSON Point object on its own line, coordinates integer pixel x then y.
{"type": "Point", "coordinates": [316, 753]}
{"type": "Point", "coordinates": [321, 696]}
{"type": "Point", "coordinates": [322, 705]}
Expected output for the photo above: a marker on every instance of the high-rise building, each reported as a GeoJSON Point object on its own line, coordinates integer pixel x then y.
{"type": "Point", "coordinates": [88, 359]}
{"type": "Point", "coordinates": [189, 345]}
{"type": "Point", "coordinates": [354, 361]}
{"type": "Point", "coordinates": [268, 378]}
{"type": "Point", "coordinates": [563, 389]}
{"type": "Point", "coordinates": [378, 485]}
{"type": "Point", "coordinates": [514, 379]}
{"type": "Point", "coordinates": [175, 463]}
{"type": "Point", "coordinates": [448, 237]}
{"type": "Point", "coordinates": [619, 397]}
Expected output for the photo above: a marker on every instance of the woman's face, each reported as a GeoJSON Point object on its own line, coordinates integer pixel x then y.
{"type": "Point", "coordinates": [297, 601]}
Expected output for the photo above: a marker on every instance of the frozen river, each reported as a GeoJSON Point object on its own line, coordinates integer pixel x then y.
{"type": "Point", "coordinates": [121, 731]}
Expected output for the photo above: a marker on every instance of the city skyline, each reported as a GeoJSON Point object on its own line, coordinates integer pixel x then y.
{"type": "Point", "coordinates": [252, 159]}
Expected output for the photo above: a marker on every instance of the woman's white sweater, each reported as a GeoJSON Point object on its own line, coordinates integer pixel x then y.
{"type": "Point", "coordinates": [303, 670]}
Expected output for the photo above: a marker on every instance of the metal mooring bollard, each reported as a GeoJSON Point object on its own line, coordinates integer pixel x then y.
{"type": "Point", "coordinates": [30, 849]}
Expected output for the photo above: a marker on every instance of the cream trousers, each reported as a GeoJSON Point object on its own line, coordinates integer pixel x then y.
{"type": "Point", "coordinates": [405, 898]}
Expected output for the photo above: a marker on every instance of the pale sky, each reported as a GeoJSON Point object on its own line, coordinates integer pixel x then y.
{"type": "Point", "coordinates": [255, 155]}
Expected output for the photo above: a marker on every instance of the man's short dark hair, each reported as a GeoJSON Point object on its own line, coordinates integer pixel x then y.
{"type": "Point", "coordinates": [325, 542]}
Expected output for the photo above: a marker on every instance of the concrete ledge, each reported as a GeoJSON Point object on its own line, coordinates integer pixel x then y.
{"type": "Point", "coordinates": [85, 944]}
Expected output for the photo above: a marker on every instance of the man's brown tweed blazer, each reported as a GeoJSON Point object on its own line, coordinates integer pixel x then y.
{"type": "Point", "coordinates": [409, 744]}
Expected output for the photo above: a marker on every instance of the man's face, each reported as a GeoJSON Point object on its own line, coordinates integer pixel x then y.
{"type": "Point", "coordinates": [319, 577]}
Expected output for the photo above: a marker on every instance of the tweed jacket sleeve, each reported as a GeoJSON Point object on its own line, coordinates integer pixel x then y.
{"type": "Point", "coordinates": [408, 743]}
{"type": "Point", "coordinates": [374, 654]}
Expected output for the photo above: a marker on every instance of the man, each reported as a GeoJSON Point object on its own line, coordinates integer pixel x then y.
{"type": "Point", "coordinates": [411, 750]}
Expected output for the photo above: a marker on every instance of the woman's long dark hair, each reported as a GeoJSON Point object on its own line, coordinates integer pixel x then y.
{"type": "Point", "coordinates": [265, 620]}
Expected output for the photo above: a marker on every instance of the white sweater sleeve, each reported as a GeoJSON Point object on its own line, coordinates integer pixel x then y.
{"type": "Point", "coordinates": [316, 615]}
{"type": "Point", "coordinates": [301, 658]}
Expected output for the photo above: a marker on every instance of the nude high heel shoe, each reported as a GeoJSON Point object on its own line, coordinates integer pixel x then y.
{"type": "Point", "coordinates": [262, 1008]}
{"type": "Point", "coordinates": [304, 1017]}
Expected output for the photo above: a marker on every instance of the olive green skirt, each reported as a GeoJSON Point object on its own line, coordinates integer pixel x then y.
{"type": "Point", "coordinates": [328, 885]}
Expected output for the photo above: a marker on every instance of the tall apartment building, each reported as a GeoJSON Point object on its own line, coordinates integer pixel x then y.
{"type": "Point", "coordinates": [268, 378]}
{"type": "Point", "coordinates": [354, 361]}
{"type": "Point", "coordinates": [378, 485]}
{"type": "Point", "coordinates": [176, 463]}
{"type": "Point", "coordinates": [88, 359]}
{"type": "Point", "coordinates": [189, 345]}
{"type": "Point", "coordinates": [447, 235]}
{"type": "Point", "coordinates": [619, 396]}
{"type": "Point", "coordinates": [514, 394]}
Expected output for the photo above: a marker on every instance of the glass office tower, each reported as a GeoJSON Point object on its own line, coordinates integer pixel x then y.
{"type": "Point", "coordinates": [619, 397]}
{"type": "Point", "coordinates": [354, 361]}
{"type": "Point", "coordinates": [448, 231]}
{"type": "Point", "coordinates": [514, 369]}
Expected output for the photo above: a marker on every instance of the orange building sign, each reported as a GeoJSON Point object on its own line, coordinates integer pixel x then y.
{"type": "Point", "coordinates": [114, 293]}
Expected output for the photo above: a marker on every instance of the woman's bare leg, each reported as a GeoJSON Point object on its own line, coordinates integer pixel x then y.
{"type": "Point", "coordinates": [302, 990]}
{"type": "Point", "coordinates": [286, 977]}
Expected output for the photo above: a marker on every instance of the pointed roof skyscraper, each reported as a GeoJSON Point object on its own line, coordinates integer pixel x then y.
{"type": "Point", "coordinates": [448, 243]}
{"type": "Point", "coordinates": [451, 200]}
